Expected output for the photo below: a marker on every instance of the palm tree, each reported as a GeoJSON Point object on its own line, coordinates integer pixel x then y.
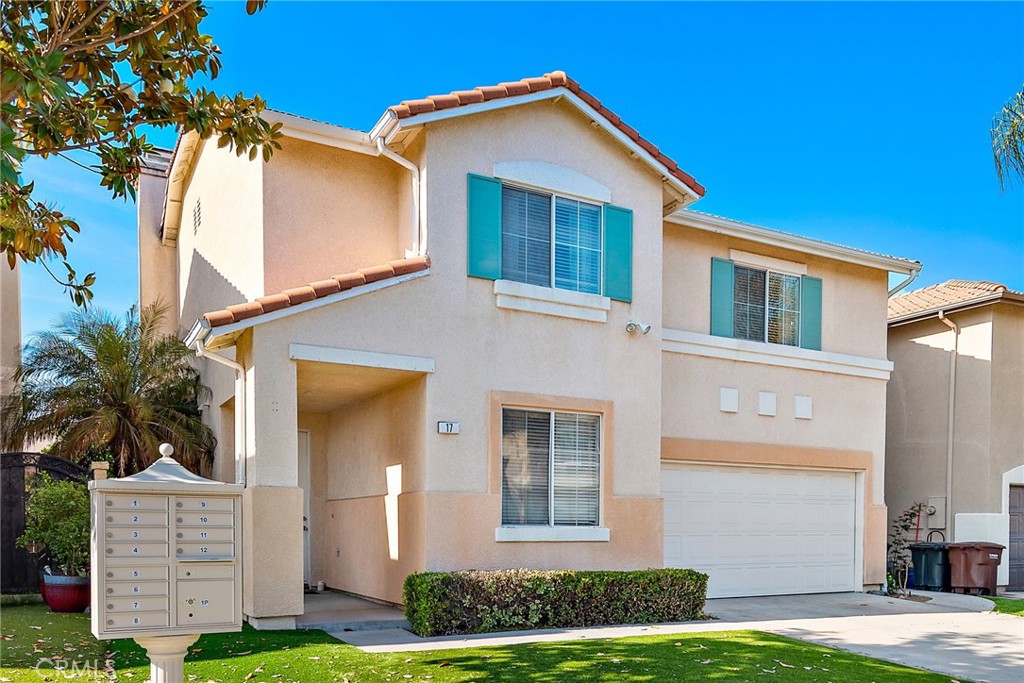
{"type": "Point", "coordinates": [1008, 140]}
{"type": "Point", "coordinates": [97, 383]}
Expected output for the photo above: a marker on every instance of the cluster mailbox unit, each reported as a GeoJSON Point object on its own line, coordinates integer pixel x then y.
{"type": "Point", "coordinates": [166, 555]}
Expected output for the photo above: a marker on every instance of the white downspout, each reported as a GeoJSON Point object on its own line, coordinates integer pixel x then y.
{"type": "Point", "coordinates": [906, 283]}
{"type": "Point", "coordinates": [419, 238]}
{"type": "Point", "coordinates": [950, 417]}
{"type": "Point", "coordinates": [241, 448]}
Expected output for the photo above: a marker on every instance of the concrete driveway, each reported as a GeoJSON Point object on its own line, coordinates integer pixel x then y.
{"type": "Point", "coordinates": [951, 634]}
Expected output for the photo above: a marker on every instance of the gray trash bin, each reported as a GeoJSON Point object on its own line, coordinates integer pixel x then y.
{"type": "Point", "coordinates": [931, 566]}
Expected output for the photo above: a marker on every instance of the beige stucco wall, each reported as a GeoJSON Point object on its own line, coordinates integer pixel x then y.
{"type": "Point", "coordinates": [988, 420]}
{"type": "Point", "coordinates": [221, 262]}
{"type": "Point", "coordinates": [853, 297]}
{"type": "Point", "coordinates": [10, 325]}
{"type": "Point", "coordinates": [363, 440]}
{"type": "Point", "coordinates": [158, 266]}
{"type": "Point", "coordinates": [329, 211]}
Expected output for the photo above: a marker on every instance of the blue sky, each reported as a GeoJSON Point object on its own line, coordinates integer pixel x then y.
{"type": "Point", "coordinates": [863, 124]}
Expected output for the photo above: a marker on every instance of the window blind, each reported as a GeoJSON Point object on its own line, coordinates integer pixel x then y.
{"type": "Point", "coordinates": [783, 308]}
{"type": "Point", "coordinates": [748, 303]}
{"type": "Point", "coordinates": [575, 466]}
{"type": "Point", "coordinates": [577, 246]}
{"type": "Point", "coordinates": [525, 462]}
{"type": "Point", "coordinates": [525, 236]}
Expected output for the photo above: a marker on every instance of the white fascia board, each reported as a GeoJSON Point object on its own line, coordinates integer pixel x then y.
{"type": "Point", "coordinates": [288, 311]}
{"type": "Point", "coordinates": [323, 133]}
{"type": "Point", "coordinates": [695, 344]}
{"type": "Point", "coordinates": [554, 93]}
{"type": "Point", "coordinates": [365, 359]}
{"type": "Point", "coordinates": [805, 245]}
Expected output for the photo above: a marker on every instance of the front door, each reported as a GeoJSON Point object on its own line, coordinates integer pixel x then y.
{"type": "Point", "coordinates": [1016, 538]}
{"type": "Point", "coordinates": [304, 483]}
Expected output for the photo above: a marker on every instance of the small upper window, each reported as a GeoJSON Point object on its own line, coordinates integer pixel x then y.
{"type": "Point", "coordinates": [531, 222]}
{"type": "Point", "coordinates": [766, 306]}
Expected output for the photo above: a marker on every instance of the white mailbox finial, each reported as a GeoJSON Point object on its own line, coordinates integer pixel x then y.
{"type": "Point", "coordinates": [166, 450]}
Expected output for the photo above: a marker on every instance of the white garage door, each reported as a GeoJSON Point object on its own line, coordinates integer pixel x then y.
{"type": "Point", "coordinates": [761, 531]}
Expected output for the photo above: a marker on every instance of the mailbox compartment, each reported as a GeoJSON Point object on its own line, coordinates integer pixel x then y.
{"type": "Point", "coordinates": [205, 504]}
{"type": "Point", "coordinates": [205, 550]}
{"type": "Point", "coordinates": [192, 572]}
{"type": "Point", "coordinates": [205, 602]}
{"type": "Point", "coordinates": [128, 589]}
{"type": "Point", "coordinates": [137, 550]}
{"type": "Point", "coordinates": [140, 604]}
{"type": "Point", "coordinates": [140, 502]}
{"type": "Point", "coordinates": [205, 519]}
{"type": "Point", "coordinates": [137, 535]}
{"type": "Point", "coordinates": [137, 573]}
{"type": "Point", "coordinates": [208, 535]}
{"type": "Point", "coordinates": [136, 519]}
{"type": "Point", "coordinates": [137, 621]}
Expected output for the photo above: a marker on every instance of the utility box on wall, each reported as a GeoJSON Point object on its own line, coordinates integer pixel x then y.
{"type": "Point", "coordinates": [166, 554]}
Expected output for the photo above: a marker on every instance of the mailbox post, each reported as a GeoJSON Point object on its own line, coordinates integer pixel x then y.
{"type": "Point", "coordinates": [166, 561]}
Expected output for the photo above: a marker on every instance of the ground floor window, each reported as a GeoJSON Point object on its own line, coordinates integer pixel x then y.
{"type": "Point", "coordinates": [550, 468]}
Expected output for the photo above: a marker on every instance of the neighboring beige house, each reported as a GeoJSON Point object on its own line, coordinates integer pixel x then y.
{"type": "Point", "coordinates": [488, 333]}
{"type": "Point", "coordinates": [10, 326]}
{"type": "Point", "coordinates": [955, 418]}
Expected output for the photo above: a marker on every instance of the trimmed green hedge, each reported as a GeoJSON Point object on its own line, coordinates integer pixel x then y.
{"type": "Point", "coordinates": [448, 603]}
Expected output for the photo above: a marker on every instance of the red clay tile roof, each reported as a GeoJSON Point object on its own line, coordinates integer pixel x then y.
{"type": "Point", "coordinates": [949, 293]}
{"type": "Point", "coordinates": [315, 290]}
{"type": "Point", "coordinates": [555, 79]}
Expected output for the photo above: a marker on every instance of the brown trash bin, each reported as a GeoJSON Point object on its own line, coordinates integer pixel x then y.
{"type": "Point", "coordinates": [973, 566]}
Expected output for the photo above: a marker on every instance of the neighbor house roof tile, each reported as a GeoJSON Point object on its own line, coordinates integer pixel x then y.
{"type": "Point", "coordinates": [315, 290]}
{"type": "Point", "coordinates": [943, 295]}
{"type": "Point", "coordinates": [555, 79]}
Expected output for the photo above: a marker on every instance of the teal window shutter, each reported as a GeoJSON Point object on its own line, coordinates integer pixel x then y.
{"type": "Point", "coordinates": [618, 253]}
{"type": "Point", "coordinates": [722, 284]}
{"type": "Point", "coordinates": [810, 313]}
{"type": "Point", "coordinates": [483, 200]}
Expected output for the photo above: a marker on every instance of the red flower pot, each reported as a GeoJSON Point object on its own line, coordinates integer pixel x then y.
{"type": "Point", "coordinates": [66, 593]}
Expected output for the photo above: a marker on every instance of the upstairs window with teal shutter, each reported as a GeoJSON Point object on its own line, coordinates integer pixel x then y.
{"type": "Point", "coordinates": [539, 238]}
{"type": "Point", "coordinates": [763, 305]}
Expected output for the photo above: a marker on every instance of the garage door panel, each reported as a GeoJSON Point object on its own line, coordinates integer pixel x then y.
{"type": "Point", "coordinates": [761, 531]}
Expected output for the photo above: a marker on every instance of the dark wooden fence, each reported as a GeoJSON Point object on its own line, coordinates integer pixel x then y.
{"type": "Point", "coordinates": [19, 570]}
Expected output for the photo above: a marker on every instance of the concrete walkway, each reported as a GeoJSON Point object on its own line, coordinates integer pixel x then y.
{"type": "Point", "coordinates": [952, 634]}
{"type": "Point", "coordinates": [341, 613]}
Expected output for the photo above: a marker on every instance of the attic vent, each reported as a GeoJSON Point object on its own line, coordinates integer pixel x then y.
{"type": "Point", "coordinates": [197, 216]}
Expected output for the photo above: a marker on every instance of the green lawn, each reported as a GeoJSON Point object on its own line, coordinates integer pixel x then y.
{"type": "Point", "coordinates": [283, 656]}
{"type": "Point", "coordinates": [1008, 605]}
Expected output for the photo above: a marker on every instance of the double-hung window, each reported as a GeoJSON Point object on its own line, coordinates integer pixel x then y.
{"type": "Point", "coordinates": [550, 240]}
{"type": "Point", "coordinates": [550, 468]}
{"type": "Point", "coordinates": [766, 306]}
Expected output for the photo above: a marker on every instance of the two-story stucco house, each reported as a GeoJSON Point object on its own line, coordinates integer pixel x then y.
{"type": "Point", "coordinates": [955, 438]}
{"type": "Point", "coordinates": [488, 333]}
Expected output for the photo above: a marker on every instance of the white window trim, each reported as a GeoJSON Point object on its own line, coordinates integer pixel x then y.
{"type": "Point", "coordinates": [563, 303]}
{"type": "Point", "coordinates": [745, 258]}
{"type": "Point", "coordinates": [708, 346]}
{"type": "Point", "coordinates": [554, 178]}
{"type": "Point", "coordinates": [552, 534]}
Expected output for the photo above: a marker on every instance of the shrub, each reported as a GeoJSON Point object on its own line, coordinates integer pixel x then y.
{"type": "Point", "coordinates": [57, 518]}
{"type": "Point", "coordinates": [448, 603]}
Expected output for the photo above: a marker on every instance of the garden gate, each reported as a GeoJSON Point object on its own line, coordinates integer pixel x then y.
{"type": "Point", "coordinates": [19, 571]}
